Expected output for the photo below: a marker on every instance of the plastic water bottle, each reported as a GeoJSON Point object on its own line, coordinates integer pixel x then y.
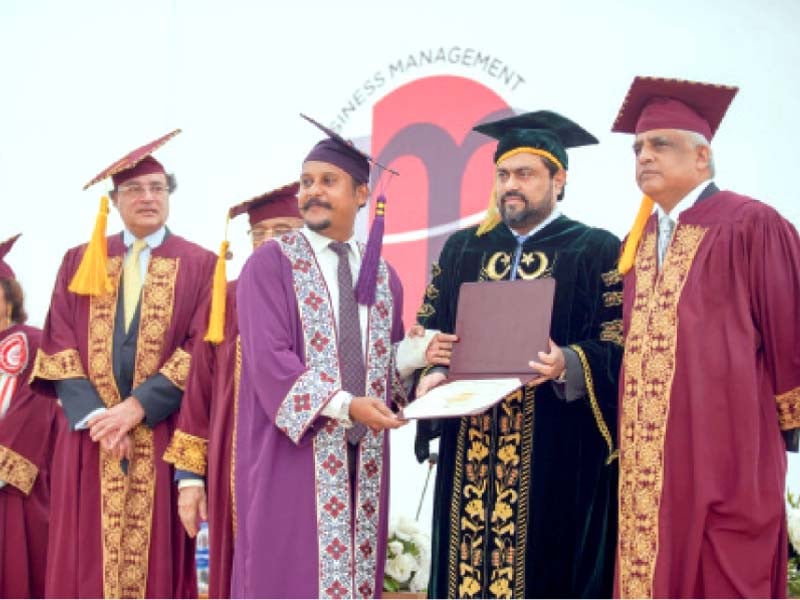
{"type": "Point", "coordinates": [201, 558]}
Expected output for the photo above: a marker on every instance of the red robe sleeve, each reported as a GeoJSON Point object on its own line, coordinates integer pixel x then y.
{"type": "Point", "coordinates": [774, 249]}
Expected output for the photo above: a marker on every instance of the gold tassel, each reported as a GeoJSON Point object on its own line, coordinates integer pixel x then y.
{"type": "Point", "coordinates": [492, 218]}
{"type": "Point", "coordinates": [635, 236]}
{"type": "Point", "coordinates": [91, 278]}
{"type": "Point", "coordinates": [216, 316]}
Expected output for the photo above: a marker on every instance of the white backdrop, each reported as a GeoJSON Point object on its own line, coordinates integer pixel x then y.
{"type": "Point", "coordinates": [84, 82]}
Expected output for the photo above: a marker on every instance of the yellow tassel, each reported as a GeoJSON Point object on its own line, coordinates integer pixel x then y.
{"type": "Point", "coordinates": [91, 278]}
{"type": "Point", "coordinates": [635, 236]}
{"type": "Point", "coordinates": [216, 316]}
{"type": "Point", "coordinates": [492, 218]}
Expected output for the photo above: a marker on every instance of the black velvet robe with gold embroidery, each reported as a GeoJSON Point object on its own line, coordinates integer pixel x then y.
{"type": "Point", "coordinates": [525, 498]}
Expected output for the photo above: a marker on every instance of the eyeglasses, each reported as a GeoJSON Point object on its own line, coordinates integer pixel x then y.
{"type": "Point", "coordinates": [137, 190]}
{"type": "Point", "coordinates": [262, 233]}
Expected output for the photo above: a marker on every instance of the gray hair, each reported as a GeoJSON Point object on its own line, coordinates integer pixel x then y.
{"type": "Point", "coordinates": [698, 139]}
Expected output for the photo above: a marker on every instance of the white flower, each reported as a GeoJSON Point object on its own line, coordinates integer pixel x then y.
{"type": "Point", "coordinates": [793, 522]}
{"type": "Point", "coordinates": [407, 555]}
{"type": "Point", "coordinates": [395, 548]}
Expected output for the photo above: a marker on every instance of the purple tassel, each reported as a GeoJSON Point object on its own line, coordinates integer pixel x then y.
{"type": "Point", "coordinates": [368, 275]}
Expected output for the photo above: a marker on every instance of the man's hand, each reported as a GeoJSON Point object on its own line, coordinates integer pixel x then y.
{"type": "Point", "coordinates": [374, 414]}
{"type": "Point", "coordinates": [115, 422]}
{"type": "Point", "coordinates": [415, 331]}
{"type": "Point", "coordinates": [430, 381]}
{"type": "Point", "coordinates": [192, 508]}
{"type": "Point", "coordinates": [551, 365]}
{"type": "Point", "coordinates": [123, 449]}
{"type": "Point", "coordinates": [440, 349]}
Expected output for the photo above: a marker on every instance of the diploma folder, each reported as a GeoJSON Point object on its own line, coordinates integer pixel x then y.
{"type": "Point", "coordinates": [501, 326]}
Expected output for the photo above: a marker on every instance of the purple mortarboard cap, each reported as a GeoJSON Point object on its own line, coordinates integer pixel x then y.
{"type": "Point", "coordinates": [342, 153]}
{"type": "Point", "coordinates": [6, 272]}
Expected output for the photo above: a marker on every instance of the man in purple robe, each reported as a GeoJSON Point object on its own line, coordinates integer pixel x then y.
{"type": "Point", "coordinates": [201, 447]}
{"type": "Point", "coordinates": [711, 372]}
{"type": "Point", "coordinates": [116, 347]}
{"type": "Point", "coordinates": [318, 376]}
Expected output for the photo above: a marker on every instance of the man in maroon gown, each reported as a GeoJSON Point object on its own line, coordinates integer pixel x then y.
{"type": "Point", "coordinates": [27, 429]}
{"type": "Point", "coordinates": [311, 479]}
{"type": "Point", "coordinates": [116, 346]}
{"type": "Point", "coordinates": [711, 373]}
{"type": "Point", "coordinates": [201, 444]}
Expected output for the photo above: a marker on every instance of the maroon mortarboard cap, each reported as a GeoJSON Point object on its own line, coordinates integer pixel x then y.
{"type": "Point", "coordinates": [136, 163]}
{"type": "Point", "coordinates": [338, 151]}
{"type": "Point", "coordinates": [280, 202]}
{"type": "Point", "coordinates": [6, 272]}
{"type": "Point", "coordinates": [659, 103]}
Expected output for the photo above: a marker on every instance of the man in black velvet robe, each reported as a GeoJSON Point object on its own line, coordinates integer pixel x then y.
{"type": "Point", "coordinates": [525, 499]}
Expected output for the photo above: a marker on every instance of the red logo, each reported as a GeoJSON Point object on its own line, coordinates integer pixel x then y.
{"type": "Point", "coordinates": [423, 130]}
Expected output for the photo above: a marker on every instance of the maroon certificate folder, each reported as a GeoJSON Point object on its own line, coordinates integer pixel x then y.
{"type": "Point", "coordinates": [501, 326]}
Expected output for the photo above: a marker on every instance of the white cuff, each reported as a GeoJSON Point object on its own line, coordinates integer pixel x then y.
{"type": "Point", "coordinates": [184, 483]}
{"type": "Point", "coordinates": [84, 422]}
{"type": "Point", "coordinates": [339, 407]}
{"type": "Point", "coordinates": [2, 484]}
{"type": "Point", "coordinates": [411, 353]}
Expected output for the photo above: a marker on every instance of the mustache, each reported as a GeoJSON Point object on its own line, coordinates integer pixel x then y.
{"type": "Point", "coordinates": [508, 195]}
{"type": "Point", "coordinates": [316, 202]}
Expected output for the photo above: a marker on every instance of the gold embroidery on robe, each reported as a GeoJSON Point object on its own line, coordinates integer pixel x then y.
{"type": "Point", "coordinates": [436, 270]}
{"type": "Point", "coordinates": [498, 469]}
{"type": "Point", "coordinates": [127, 501]}
{"type": "Point", "coordinates": [789, 409]}
{"type": "Point", "coordinates": [17, 470]}
{"type": "Point", "coordinates": [426, 310]}
{"type": "Point", "coordinates": [431, 292]}
{"type": "Point", "coordinates": [59, 366]}
{"type": "Point", "coordinates": [611, 331]}
{"type": "Point", "coordinates": [612, 299]}
{"type": "Point", "coordinates": [649, 370]}
{"type": "Point", "coordinates": [612, 277]}
{"type": "Point", "coordinates": [187, 452]}
{"type": "Point", "coordinates": [599, 420]}
{"type": "Point", "coordinates": [176, 369]}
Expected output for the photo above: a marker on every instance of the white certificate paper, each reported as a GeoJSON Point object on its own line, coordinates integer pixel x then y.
{"type": "Point", "coordinates": [459, 398]}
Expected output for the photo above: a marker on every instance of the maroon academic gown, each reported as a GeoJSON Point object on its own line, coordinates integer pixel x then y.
{"type": "Point", "coordinates": [202, 441]}
{"type": "Point", "coordinates": [296, 533]}
{"type": "Point", "coordinates": [711, 376]}
{"type": "Point", "coordinates": [117, 534]}
{"type": "Point", "coordinates": [27, 431]}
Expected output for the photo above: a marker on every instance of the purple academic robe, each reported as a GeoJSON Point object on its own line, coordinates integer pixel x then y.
{"type": "Point", "coordinates": [711, 376]}
{"type": "Point", "coordinates": [27, 431]}
{"type": "Point", "coordinates": [202, 441]}
{"type": "Point", "coordinates": [300, 533]}
{"type": "Point", "coordinates": [116, 533]}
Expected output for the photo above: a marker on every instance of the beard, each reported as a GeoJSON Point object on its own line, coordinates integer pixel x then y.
{"type": "Point", "coordinates": [527, 215]}
{"type": "Point", "coordinates": [321, 224]}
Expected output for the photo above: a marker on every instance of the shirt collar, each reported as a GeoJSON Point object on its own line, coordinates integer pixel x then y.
{"type": "Point", "coordinates": [550, 218]}
{"type": "Point", "coordinates": [153, 240]}
{"type": "Point", "coordinates": [320, 242]}
{"type": "Point", "coordinates": [686, 203]}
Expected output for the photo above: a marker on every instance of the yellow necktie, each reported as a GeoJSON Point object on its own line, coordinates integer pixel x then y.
{"type": "Point", "coordinates": [132, 280]}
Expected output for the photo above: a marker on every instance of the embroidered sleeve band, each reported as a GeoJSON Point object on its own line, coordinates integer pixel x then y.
{"type": "Point", "coordinates": [176, 369]}
{"type": "Point", "coordinates": [789, 409]}
{"type": "Point", "coordinates": [187, 452]}
{"type": "Point", "coordinates": [17, 470]}
{"type": "Point", "coordinates": [61, 365]}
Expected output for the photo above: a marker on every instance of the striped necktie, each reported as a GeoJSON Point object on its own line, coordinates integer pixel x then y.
{"type": "Point", "coordinates": [665, 228]}
{"type": "Point", "coordinates": [351, 353]}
